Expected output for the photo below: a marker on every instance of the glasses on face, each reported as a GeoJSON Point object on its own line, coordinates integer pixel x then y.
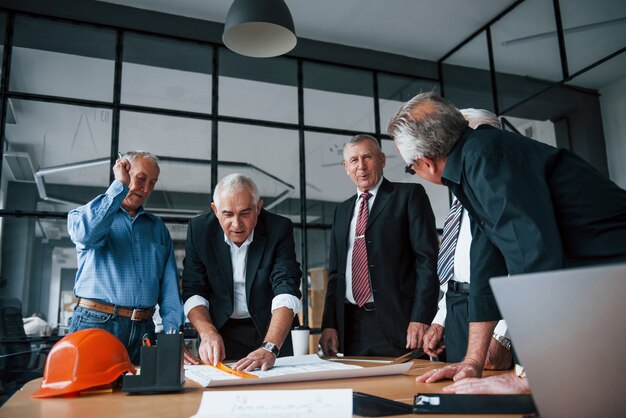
{"type": "Point", "coordinates": [409, 169]}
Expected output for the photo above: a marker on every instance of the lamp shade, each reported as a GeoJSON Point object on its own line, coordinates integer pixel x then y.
{"type": "Point", "coordinates": [259, 28]}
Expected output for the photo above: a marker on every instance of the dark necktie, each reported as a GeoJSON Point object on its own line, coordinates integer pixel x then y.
{"type": "Point", "coordinates": [360, 274]}
{"type": "Point", "coordinates": [451, 228]}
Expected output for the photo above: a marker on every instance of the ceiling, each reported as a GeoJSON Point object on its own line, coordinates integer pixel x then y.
{"type": "Point", "coordinates": [405, 27]}
{"type": "Point", "coordinates": [428, 29]}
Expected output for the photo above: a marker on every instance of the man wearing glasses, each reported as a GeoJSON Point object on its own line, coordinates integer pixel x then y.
{"type": "Point", "coordinates": [533, 207]}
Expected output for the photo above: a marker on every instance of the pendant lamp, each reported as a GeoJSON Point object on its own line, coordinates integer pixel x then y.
{"type": "Point", "coordinates": [259, 28]}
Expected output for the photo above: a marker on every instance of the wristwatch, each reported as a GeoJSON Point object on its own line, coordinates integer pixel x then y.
{"type": "Point", "coordinates": [504, 342]}
{"type": "Point", "coordinates": [271, 347]}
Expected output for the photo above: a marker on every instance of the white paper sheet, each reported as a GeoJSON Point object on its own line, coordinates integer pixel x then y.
{"type": "Point", "coordinates": [277, 404]}
{"type": "Point", "coordinates": [293, 369]}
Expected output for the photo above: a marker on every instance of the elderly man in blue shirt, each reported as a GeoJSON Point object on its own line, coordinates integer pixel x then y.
{"type": "Point", "coordinates": [126, 261]}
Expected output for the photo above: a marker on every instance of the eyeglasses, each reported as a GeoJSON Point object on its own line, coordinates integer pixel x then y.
{"type": "Point", "coordinates": [409, 169]}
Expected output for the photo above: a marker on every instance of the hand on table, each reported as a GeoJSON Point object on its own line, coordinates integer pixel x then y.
{"type": "Point", "coordinates": [506, 383]}
{"type": "Point", "coordinates": [259, 358]}
{"type": "Point", "coordinates": [211, 349]}
{"type": "Point", "coordinates": [455, 371]}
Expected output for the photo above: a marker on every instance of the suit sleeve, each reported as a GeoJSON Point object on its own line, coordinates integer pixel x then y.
{"type": "Point", "coordinates": [425, 245]}
{"type": "Point", "coordinates": [194, 271]}
{"type": "Point", "coordinates": [286, 273]}
{"type": "Point", "coordinates": [482, 305]}
{"type": "Point", "coordinates": [329, 318]}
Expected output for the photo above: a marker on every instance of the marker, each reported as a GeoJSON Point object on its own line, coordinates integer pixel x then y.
{"type": "Point", "coordinates": [119, 155]}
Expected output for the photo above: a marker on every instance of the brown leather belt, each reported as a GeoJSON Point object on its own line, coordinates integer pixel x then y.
{"type": "Point", "coordinates": [137, 314]}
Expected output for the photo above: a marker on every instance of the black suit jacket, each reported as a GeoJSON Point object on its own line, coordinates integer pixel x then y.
{"type": "Point", "coordinates": [533, 208]}
{"type": "Point", "coordinates": [271, 267]}
{"type": "Point", "coordinates": [402, 247]}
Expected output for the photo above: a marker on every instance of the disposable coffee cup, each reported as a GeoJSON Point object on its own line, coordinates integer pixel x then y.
{"type": "Point", "coordinates": [300, 340]}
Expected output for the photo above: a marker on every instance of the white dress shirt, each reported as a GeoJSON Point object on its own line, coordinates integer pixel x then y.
{"type": "Point", "coordinates": [461, 271]}
{"type": "Point", "coordinates": [239, 259]}
{"type": "Point", "coordinates": [355, 214]}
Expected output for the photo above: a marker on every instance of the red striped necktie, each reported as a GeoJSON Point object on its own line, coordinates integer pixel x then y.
{"type": "Point", "coordinates": [360, 274]}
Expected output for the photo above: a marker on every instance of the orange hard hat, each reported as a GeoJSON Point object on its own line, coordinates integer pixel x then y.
{"type": "Point", "coordinates": [81, 360]}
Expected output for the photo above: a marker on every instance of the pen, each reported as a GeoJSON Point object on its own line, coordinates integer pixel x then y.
{"type": "Point", "coordinates": [119, 155]}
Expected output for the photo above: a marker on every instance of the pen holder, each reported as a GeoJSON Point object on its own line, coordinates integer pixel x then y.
{"type": "Point", "coordinates": [161, 367]}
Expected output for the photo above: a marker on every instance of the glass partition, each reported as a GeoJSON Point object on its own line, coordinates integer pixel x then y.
{"type": "Point", "coordinates": [258, 89]}
{"type": "Point", "coordinates": [466, 77]}
{"type": "Point", "coordinates": [57, 154]}
{"type": "Point", "coordinates": [270, 156]}
{"type": "Point", "coordinates": [592, 33]}
{"type": "Point", "coordinates": [338, 97]}
{"type": "Point", "coordinates": [165, 73]}
{"type": "Point", "coordinates": [62, 59]}
{"type": "Point", "coordinates": [526, 52]}
{"type": "Point", "coordinates": [327, 182]}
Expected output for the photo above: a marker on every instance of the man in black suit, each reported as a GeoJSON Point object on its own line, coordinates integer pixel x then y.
{"type": "Point", "coordinates": [241, 279]}
{"type": "Point", "coordinates": [533, 207]}
{"type": "Point", "coordinates": [382, 296]}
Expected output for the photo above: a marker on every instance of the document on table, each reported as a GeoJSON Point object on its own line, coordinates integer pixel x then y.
{"type": "Point", "coordinates": [311, 403]}
{"type": "Point", "coordinates": [292, 369]}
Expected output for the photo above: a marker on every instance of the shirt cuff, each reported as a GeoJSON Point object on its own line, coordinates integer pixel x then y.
{"type": "Point", "coordinates": [284, 300]}
{"type": "Point", "coordinates": [440, 317]}
{"type": "Point", "coordinates": [501, 329]}
{"type": "Point", "coordinates": [116, 188]}
{"type": "Point", "coordinates": [192, 302]}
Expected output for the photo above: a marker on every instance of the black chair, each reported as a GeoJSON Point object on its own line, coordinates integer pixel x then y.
{"type": "Point", "coordinates": [19, 362]}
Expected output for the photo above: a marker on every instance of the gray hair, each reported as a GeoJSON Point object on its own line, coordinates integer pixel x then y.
{"type": "Point", "coordinates": [235, 182]}
{"type": "Point", "coordinates": [356, 139]}
{"type": "Point", "coordinates": [426, 126]}
{"type": "Point", "coordinates": [477, 117]}
{"type": "Point", "coordinates": [132, 155]}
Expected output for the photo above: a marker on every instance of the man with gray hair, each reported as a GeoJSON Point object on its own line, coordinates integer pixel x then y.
{"type": "Point", "coordinates": [533, 207]}
{"type": "Point", "coordinates": [450, 323]}
{"type": "Point", "coordinates": [382, 286]}
{"type": "Point", "coordinates": [126, 262]}
{"type": "Point", "coordinates": [241, 280]}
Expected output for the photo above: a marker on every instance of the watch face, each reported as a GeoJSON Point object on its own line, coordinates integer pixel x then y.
{"type": "Point", "coordinates": [271, 347]}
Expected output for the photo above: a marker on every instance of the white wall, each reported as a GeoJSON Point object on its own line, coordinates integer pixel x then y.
{"type": "Point", "coordinates": [613, 103]}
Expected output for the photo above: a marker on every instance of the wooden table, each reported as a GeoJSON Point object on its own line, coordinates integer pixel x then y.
{"type": "Point", "coordinates": [183, 404]}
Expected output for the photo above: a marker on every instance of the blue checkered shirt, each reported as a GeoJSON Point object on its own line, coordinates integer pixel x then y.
{"type": "Point", "coordinates": [123, 261]}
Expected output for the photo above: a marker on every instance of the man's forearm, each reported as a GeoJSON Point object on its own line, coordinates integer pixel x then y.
{"type": "Point", "coordinates": [280, 325]}
{"type": "Point", "coordinates": [201, 320]}
{"type": "Point", "coordinates": [478, 341]}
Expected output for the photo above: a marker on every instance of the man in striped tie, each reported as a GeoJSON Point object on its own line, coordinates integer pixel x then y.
{"type": "Point", "coordinates": [382, 288]}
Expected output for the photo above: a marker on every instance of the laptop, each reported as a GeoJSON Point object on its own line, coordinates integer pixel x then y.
{"type": "Point", "coordinates": [568, 328]}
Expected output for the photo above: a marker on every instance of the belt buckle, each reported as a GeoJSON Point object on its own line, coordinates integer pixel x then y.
{"type": "Point", "coordinates": [369, 307]}
{"type": "Point", "coordinates": [135, 315]}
